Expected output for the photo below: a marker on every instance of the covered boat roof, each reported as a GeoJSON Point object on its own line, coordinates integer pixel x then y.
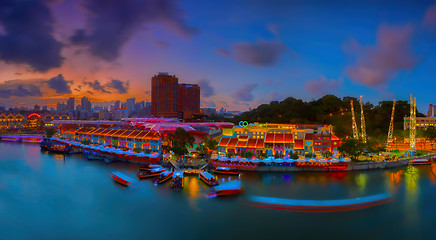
{"type": "Point", "coordinates": [207, 175]}
{"type": "Point", "coordinates": [178, 174]}
{"type": "Point", "coordinates": [122, 176]}
{"type": "Point", "coordinates": [222, 168]}
{"type": "Point", "coordinates": [166, 172]}
{"type": "Point", "coordinates": [235, 184]}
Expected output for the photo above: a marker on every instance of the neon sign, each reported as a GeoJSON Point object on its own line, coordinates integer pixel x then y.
{"type": "Point", "coordinates": [243, 124]}
{"type": "Point", "coordinates": [34, 114]}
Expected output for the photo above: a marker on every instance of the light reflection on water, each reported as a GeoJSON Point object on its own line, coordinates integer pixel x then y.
{"type": "Point", "coordinates": [39, 190]}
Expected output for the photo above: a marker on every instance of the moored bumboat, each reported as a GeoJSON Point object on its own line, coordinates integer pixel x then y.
{"type": "Point", "coordinates": [163, 176]}
{"type": "Point", "coordinates": [177, 183]}
{"type": "Point", "coordinates": [226, 170]}
{"type": "Point", "coordinates": [208, 178]}
{"type": "Point", "coordinates": [420, 161]}
{"type": "Point", "coordinates": [150, 173]}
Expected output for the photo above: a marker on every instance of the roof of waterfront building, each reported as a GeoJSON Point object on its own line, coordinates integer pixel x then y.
{"type": "Point", "coordinates": [279, 138]}
{"type": "Point", "coordinates": [122, 133]}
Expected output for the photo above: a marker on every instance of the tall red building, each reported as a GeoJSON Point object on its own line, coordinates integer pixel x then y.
{"type": "Point", "coordinates": [189, 100]}
{"type": "Point", "coordinates": [171, 99]}
{"type": "Point", "coordinates": [164, 91]}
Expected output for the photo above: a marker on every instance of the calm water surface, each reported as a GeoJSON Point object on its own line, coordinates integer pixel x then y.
{"type": "Point", "coordinates": [47, 196]}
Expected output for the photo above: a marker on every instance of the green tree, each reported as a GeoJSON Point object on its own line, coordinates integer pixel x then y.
{"type": "Point", "coordinates": [180, 140]}
{"type": "Point", "coordinates": [50, 132]}
{"type": "Point", "coordinates": [352, 148]}
{"type": "Point", "coordinates": [430, 135]}
{"type": "Point", "coordinates": [327, 154]}
{"type": "Point", "coordinates": [374, 146]}
{"type": "Point", "coordinates": [136, 150]}
{"type": "Point", "coordinates": [294, 156]}
{"type": "Point", "coordinates": [309, 155]}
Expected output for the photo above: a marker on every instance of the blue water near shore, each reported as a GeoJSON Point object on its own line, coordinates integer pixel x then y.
{"type": "Point", "coordinates": [47, 196]}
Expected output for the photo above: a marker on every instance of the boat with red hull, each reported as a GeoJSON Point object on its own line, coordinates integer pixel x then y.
{"type": "Point", "coordinates": [150, 166]}
{"type": "Point", "coordinates": [163, 176]}
{"type": "Point", "coordinates": [227, 189]}
{"type": "Point", "coordinates": [420, 162]}
{"type": "Point", "coordinates": [208, 178]}
{"type": "Point", "coordinates": [150, 173]}
{"type": "Point", "coordinates": [226, 170]}
{"type": "Point", "coordinates": [121, 178]}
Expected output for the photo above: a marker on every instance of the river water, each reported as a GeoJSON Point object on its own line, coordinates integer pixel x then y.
{"type": "Point", "coordinates": [49, 196]}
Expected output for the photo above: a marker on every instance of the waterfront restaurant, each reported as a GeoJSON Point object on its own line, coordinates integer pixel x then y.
{"type": "Point", "coordinates": [140, 139]}
{"type": "Point", "coordinates": [278, 139]}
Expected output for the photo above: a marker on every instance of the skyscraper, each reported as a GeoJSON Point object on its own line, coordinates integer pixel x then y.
{"type": "Point", "coordinates": [85, 105]}
{"type": "Point", "coordinates": [130, 105]}
{"type": "Point", "coordinates": [70, 104]}
{"type": "Point", "coordinates": [164, 91]}
{"type": "Point", "coordinates": [189, 99]}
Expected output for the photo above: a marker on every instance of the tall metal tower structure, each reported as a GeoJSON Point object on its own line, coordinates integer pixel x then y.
{"type": "Point", "coordinates": [354, 125]}
{"type": "Point", "coordinates": [391, 127]}
{"type": "Point", "coordinates": [412, 125]}
{"type": "Point", "coordinates": [362, 121]}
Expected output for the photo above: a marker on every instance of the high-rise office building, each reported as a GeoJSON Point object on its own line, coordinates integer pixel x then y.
{"type": "Point", "coordinates": [85, 105]}
{"type": "Point", "coordinates": [70, 104]}
{"type": "Point", "coordinates": [189, 100]}
{"type": "Point", "coordinates": [61, 107]}
{"type": "Point", "coordinates": [164, 91]}
{"type": "Point", "coordinates": [130, 105]}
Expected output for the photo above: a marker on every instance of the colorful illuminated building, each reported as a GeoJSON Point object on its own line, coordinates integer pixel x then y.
{"type": "Point", "coordinates": [278, 139]}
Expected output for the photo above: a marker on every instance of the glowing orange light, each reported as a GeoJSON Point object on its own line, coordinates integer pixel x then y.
{"type": "Point", "coordinates": [34, 114]}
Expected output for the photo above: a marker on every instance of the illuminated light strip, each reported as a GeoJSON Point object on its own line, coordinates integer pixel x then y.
{"type": "Point", "coordinates": [322, 209]}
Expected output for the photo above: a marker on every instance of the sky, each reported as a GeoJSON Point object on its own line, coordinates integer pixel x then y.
{"type": "Point", "coordinates": [242, 53]}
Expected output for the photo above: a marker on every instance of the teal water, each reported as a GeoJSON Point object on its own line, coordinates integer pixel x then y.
{"type": "Point", "coordinates": [47, 196]}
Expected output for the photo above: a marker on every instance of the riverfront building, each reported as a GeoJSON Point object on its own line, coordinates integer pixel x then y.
{"type": "Point", "coordinates": [278, 139]}
{"type": "Point", "coordinates": [421, 122]}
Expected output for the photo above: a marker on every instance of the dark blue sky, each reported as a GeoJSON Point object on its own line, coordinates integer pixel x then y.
{"type": "Point", "coordinates": [243, 53]}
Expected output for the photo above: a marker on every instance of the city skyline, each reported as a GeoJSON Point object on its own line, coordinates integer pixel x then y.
{"type": "Point", "coordinates": [254, 53]}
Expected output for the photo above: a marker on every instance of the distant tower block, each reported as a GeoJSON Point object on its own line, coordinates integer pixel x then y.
{"type": "Point", "coordinates": [354, 125]}
{"type": "Point", "coordinates": [391, 127]}
{"type": "Point", "coordinates": [412, 124]}
{"type": "Point", "coordinates": [362, 121]}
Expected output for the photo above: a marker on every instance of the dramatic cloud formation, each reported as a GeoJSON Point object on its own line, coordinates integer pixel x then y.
{"type": "Point", "coordinates": [430, 17]}
{"type": "Point", "coordinates": [17, 88]}
{"type": "Point", "coordinates": [27, 35]}
{"type": "Point", "coordinates": [59, 84]}
{"type": "Point", "coordinates": [261, 54]}
{"type": "Point", "coordinates": [270, 82]}
{"type": "Point", "coordinates": [97, 86]}
{"type": "Point", "coordinates": [118, 85]}
{"type": "Point", "coordinates": [222, 52]}
{"type": "Point", "coordinates": [244, 93]}
{"type": "Point", "coordinates": [323, 86]}
{"type": "Point", "coordinates": [112, 23]}
{"type": "Point", "coordinates": [206, 89]}
{"type": "Point", "coordinates": [375, 65]}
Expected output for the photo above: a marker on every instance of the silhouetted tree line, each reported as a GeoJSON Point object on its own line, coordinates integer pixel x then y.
{"type": "Point", "coordinates": [331, 110]}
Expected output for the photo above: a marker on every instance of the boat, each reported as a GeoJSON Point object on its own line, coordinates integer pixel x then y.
{"type": "Point", "coordinates": [177, 183]}
{"type": "Point", "coordinates": [226, 170]}
{"type": "Point", "coordinates": [421, 161]}
{"type": "Point", "coordinates": [150, 173]}
{"type": "Point", "coordinates": [208, 178]}
{"type": "Point", "coordinates": [163, 176]}
{"type": "Point", "coordinates": [321, 205]}
{"type": "Point", "coordinates": [121, 178]}
{"type": "Point", "coordinates": [150, 166]}
{"type": "Point", "coordinates": [227, 189]}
